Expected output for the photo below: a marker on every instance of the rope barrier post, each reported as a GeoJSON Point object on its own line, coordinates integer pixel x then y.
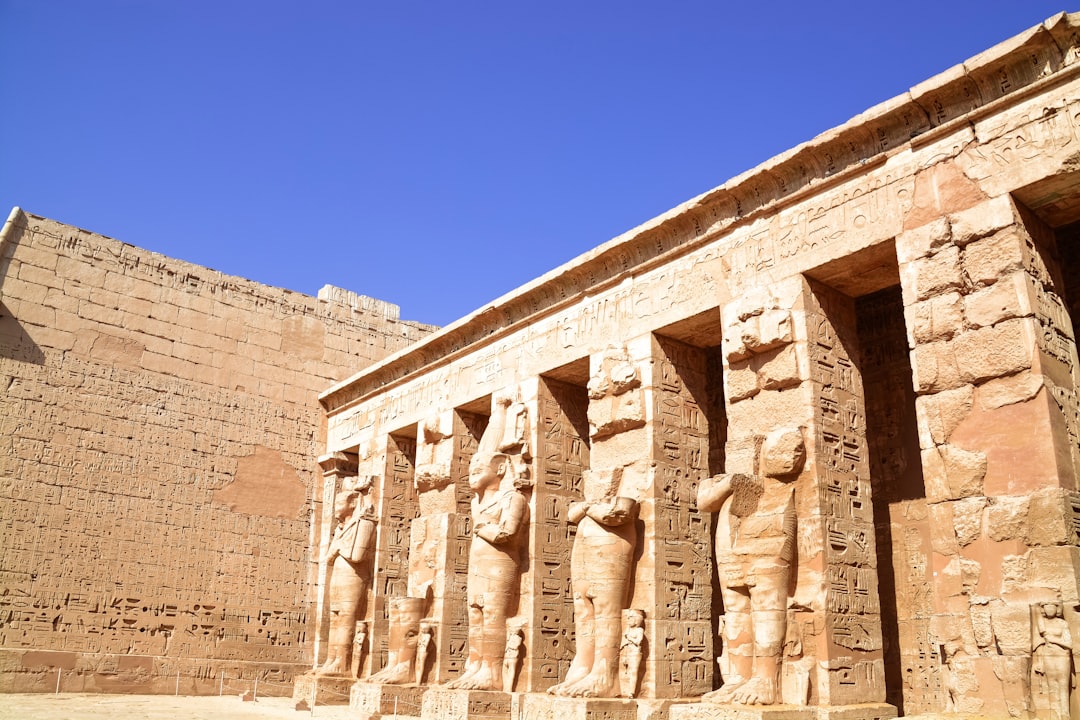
{"type": "Point", "coordinates": [314, 694]}
{"type": "Point", "coordinates": [221, 682]}
{"type": "Point", "coordinates": [57, 681]}
{"type": "Point", "coordinates": [255, 692]}
{"type": "Point", "coordinates": [177, 692]}
{"type": "Point", "coordinates": [395, 707]}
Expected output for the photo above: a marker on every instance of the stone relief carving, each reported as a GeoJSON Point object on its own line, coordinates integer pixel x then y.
{"type": "Point", "coordinates": [423, 646]}
{"type": "Point", "coordinates": [1051, 660]}
{"type": "Point", "coordinates": [755, 547]}
{"type": "Point", "coordinates": [500, 511]}
{"type": "Point", "coordinates": [630, 652]}
{"type": "Point", "coordinates": [600, 566]}
{"type": "Point", "coordinates": [349, 558]}
{"type": "Point", "coordinates": [515, 641]}
{"type": "Point", "coordinates": [360, 640]}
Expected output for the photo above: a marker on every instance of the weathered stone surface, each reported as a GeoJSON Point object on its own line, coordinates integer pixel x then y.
{"type": "Point", "coordinates": [1008, 298]}
{"type": "Point", "coordinates": [952, 473]}
{"type": "Point", "coordinates": [940, 414]}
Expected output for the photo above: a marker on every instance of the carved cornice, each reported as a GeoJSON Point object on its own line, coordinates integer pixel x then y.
{"type": "Point", "coordinates": [1046, 54]}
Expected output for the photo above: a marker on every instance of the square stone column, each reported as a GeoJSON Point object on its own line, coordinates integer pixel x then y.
{"type": "Point", "coordinates": [561, 456]}
{"type": "Point", "coordinates": [790, 355]}
{"type": "Point", "coordinates": [439, 536]}
{"type": "Point", "coordinates": [995, 367]}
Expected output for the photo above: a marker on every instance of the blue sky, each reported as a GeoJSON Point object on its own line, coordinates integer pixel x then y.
{"type": "Point", "coordinates": [432, 154]}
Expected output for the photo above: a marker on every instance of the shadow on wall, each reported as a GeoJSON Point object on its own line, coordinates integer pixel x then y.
{"type": "Point", "coordinates": [15, 344]}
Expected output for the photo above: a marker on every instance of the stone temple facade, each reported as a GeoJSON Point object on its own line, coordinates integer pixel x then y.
{"type": "Point", "coordinates": [804, 446]}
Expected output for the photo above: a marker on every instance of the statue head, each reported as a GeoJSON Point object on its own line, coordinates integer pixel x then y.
{"type": "Point", "coordinates": [487, 470]}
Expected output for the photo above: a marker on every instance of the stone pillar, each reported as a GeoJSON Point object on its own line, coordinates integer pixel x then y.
{"type": "Point", "coordinates": [396, 506]}
{"type": "Point", "coordinates": [790, 356]}
{"type": "Point", "coordinates": [684, 428]}
{"type": "Point", "coordinates": [439, 555]}
{"type": "Point", "coordinates": [561, 456]}
{"type": "Point", "coordinates": [995, 367]}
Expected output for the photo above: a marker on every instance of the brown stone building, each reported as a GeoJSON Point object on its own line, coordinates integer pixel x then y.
{"type": "Point", "coordinates": [873, 335]}
{"type": "Point", "coordinates": [159, 429]}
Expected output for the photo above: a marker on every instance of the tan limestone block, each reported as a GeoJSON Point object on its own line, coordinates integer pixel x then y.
{"type": "Point", "coordinates": [934, 275]}
{"type": "Point", "coordinates": [992, 257]}
{"type": "Point", "coordinates": [921, 241]}
{"type": "Point", "coordinates": [982, 220]}
{"type": "Point", "coordinates": [968, 519]}
{"type": "Point", "coordinates": [1017, 441]}
{"type": "Point", "coordinates": [83, 272]}
{"type": "Point", "coordinates": [1049, 519]}
{"type": "Point", "coordinates": [1012, 389]}
{"type": "Point", "coordinates": [741, 382]}
{"type": "Point", "coordinates": [779, 370]}
{"type": "Point", "coordinates": [1009, 297]}
{"type": "Point", "coordinates": [981, 622]}
{"type": "Point", "coordinates": [1054, 569]}
{"type": "Point", "coordinates": [937, 318]}
{"type": "Point", "coordinates": [934, 368]}
{"type": "Point", "coordinates": [939, 414]}
{"type": "Point", "coordinates": [1013, 574]}
{"type": "Point", "coordinates": [1006, 518]}
{"type": "Point", "coordinates": [942, 537]}
{"type": "Point", "coordinates": [991, 352]}
{"type": "Point", "coordinates": [1012, 627]}
{"type": "Point", "coordinates": [940, 190]}
{"type": "Point", "coordinates": [952, 473]}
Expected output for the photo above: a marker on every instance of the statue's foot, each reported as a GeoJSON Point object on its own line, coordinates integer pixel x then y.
{"type": "Point", "coordinates": [393, 675]}
{"type": "Point", "coordinates": [755, 691]}
{"type": "Point", "coordinates": [482, 679]}
{"type": "Point", "coordinates": [575, 674]}
{"type": "Point", "coordinates": [724, 694]}
{"type": "Point", "coordinates": [596, 684]}
{"type": "Point", "coordinates": [332, 667]}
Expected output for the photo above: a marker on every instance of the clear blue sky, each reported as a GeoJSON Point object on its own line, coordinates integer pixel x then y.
{"type": "Point", "coordinates": [432, 154]}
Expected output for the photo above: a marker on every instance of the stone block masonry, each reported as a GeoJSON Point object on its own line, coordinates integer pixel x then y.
{"type": "Point", "coordinates": [159, 428]}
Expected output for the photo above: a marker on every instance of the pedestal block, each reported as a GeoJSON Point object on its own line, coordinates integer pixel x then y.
{"type": "Point", "coordinates": [444, 704]}
{"type": "Point", "coordinates": [391, 700]}
{"type": "Point", "coordinates": [328, 690]}
{"type": "Point", "coordinates": [714, 711]}
{"type": "Point", "coordinates": [535, 706]}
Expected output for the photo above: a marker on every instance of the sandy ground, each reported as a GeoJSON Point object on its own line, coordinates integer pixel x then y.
{"type": "Point", "coordinates": [76, 706]}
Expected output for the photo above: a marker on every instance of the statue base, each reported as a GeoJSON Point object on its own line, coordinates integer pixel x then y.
{"type": "Point", "coordinates": [375, 699]}
{"type": "Point", "coordinates": [717, 711]}
{"type": "Point", "coordinates": [445, 704]}
{"type": "Point", "coordinates": [537, 706]}
{"type": "Point", "coordinates": [326, 689]}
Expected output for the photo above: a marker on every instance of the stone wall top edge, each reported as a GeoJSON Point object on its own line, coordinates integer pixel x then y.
{"type": "Point", "coordinates": [368, 306]}
{"type": "Point", "coordinates": [809, 168]}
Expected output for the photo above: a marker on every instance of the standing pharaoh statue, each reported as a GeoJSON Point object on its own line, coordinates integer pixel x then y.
{"type": "Point", "coordinates": [600, 568]}
{"type": "Point", "coordinates": [500, 512]}
{"type": "Point", "coordinates": [755, 550]}
{"type": "Point", "coordinates": [1052, 658]}
{"type": "Point", "coordinates": [349, 561]}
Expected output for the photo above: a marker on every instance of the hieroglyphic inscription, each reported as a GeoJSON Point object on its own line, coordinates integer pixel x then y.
{"type": "Point", "coordinates": [685, 410]}
{"type": "Point", "coordinates": [562, 455]}
{"type": "Point", "coordinates": [852, 603]}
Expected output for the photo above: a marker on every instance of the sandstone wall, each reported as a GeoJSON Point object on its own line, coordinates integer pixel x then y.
{"type": "Point", "coordinates": [158, 435]}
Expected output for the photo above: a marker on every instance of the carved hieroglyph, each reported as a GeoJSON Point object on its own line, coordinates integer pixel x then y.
{"type": "Point", "coordinates": [1051, 661]}
{"type": "Point", "coordinates": [500, 512]}
{"type": "Point", "coordinates": [755, 546]}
